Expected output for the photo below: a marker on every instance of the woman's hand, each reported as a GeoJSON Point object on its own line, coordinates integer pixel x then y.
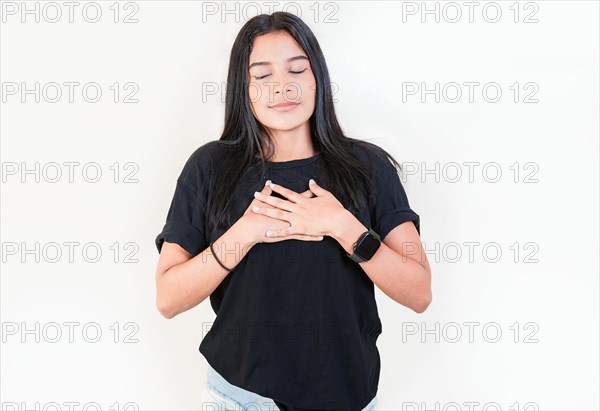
{"type": "Point", "coordinates": [260, 224]}
{"type": "Point", "coordinates": [305, 214]}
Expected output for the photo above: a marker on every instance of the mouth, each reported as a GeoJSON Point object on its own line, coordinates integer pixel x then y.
{"type": "Point", "coordinates": [287, 106]}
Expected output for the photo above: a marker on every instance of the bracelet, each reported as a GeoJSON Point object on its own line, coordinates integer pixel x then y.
{"type": "Point", "coordinates": [218, 261]}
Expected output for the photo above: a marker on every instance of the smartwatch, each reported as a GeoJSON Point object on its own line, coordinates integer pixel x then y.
{"type": "Point", "coordinates": [365, 247]}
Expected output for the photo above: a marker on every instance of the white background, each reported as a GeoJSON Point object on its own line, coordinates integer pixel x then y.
{"type": "Point", "coordinates": [544, 219]}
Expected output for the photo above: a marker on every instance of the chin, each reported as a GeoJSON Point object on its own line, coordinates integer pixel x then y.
{"type": "Point", "coordinates": [288, 124]}
{"type": "Point", "coordinates": [283, 127]}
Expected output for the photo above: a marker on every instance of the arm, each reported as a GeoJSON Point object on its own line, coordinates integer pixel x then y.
{"type": "Point", "coordinates": [183, 281]}
{"type": "Point", "coordinates": [399, 267]}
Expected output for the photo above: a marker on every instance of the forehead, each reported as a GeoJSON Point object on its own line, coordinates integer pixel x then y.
{"type": "Point", "coordinates": [274, 47]}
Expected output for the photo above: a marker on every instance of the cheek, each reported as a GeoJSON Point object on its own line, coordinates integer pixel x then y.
{"type": "Point", "coordinates": [309, 93]}
{"type": "Point", "coordinates": [258, 103]}
{"type": "Point", "coordinates": [259, 96]}
{"type": "Point", "coordinates": [309, 87]}
{"type": "Point", "coordinates": [255, 94]}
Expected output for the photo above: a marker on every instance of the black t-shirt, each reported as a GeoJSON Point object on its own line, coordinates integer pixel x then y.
{"type": "Point", "coordinates": [296, 321]}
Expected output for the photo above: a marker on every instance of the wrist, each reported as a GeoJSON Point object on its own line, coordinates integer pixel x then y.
{"type": "Point", "coordinates": [347, 231]}
{"type": "Point", "coordinates": [244, 233]}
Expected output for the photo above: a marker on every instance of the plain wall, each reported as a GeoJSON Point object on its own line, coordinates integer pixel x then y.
{"type": "Point", "coordinates": [506, 187]}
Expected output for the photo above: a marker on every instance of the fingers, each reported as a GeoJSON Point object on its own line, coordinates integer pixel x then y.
{"type": "Point", "coordinates": [266, 190]}
{"type": "Point", "coordinates": [308, 194]}
{"type": "Point", "coordinates": [286, 192]}
{"type": "Point", "coordinates": [276, 202]}
{"type": "Point", "coordinates": [316, 188]}
{"type": "Point", "coordinates": [302, 237]}
{"type": "Point", "coordinates": [305, 237]}
{"type": "Point", "coordinates": [273, 202]}
{"type": "Point", "coordinates": [292, 195]}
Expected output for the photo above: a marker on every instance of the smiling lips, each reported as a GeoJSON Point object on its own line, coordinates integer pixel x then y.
{"type": "Point", "coordinates": [285, 106]}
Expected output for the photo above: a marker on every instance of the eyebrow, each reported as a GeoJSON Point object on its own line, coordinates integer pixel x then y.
{"type": "Point", "coordinates": [267, 63]}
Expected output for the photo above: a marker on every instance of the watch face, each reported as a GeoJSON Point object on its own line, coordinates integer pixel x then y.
{"type": "Point", "coordinates": [368, 246]}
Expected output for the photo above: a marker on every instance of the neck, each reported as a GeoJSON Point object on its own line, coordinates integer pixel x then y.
{"type": "Point", "coordinates": [292, 144]}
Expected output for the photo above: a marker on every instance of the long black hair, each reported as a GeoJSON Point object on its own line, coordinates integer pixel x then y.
{"type": "Point", "coordinates": [244, 139]}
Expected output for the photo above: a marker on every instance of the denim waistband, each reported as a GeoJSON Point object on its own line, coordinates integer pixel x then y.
{"type": "Point", "coordinates": [244, 398]}
{"type": "Point", "coordinates": [247, 399]}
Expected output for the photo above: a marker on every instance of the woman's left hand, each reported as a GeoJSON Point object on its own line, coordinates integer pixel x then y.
{"type": "Point", "coordinates": [316, 215]}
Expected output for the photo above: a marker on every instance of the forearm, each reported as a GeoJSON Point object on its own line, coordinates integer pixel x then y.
{"type": "Point", "coordinates": [403, 279]}
{"type": "Point", "coordinates": [187, 284]}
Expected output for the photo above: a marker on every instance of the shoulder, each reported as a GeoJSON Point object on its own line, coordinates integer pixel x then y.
{"type": "Point", "coordinates": [199, 164]}
{"type": "Point", "coordinates": [374, 156]}
{"type": "Point", "coordinates": [206, 153]}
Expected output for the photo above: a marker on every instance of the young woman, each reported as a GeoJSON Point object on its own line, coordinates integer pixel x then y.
{"type": "Point", "coordinates": [287, 224]}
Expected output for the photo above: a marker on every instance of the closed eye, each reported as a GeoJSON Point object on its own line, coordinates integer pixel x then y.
{"type": "Point", "coordinates": [266, 75]}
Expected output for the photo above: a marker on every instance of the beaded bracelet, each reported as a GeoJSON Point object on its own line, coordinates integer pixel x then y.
{"type": "Point", "coordinates": [218, 261]}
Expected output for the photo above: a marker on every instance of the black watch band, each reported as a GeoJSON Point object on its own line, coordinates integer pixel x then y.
{"type": "Point", "coordinates": [365, 247]}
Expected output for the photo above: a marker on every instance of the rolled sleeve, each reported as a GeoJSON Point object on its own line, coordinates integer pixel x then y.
{"type": "Point", "coordinates": [391, 206]}
{"type": "Point", "coordinates": [185, 221]}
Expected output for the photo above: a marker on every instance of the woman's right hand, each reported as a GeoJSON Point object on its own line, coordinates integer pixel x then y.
{"type": "Point", "coordinates": [259, 224]}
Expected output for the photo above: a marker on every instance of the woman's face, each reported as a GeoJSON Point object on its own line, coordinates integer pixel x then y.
{"type": "Point", "coordinates": [279, 72]}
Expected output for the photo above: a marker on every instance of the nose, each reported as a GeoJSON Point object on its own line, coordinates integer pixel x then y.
{"type": "Point", "coordinates": [286, 86]}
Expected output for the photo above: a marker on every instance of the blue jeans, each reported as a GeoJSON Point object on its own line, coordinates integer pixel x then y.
{"type": "Point", "coordinates": [220, 395]}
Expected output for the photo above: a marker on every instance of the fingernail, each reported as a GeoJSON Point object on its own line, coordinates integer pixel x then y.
{"type": "Point", "coordinates": [255, 208]}
{"type": "Point", "coordinates": [269, 233]}
{"type": "Point", "coordinates": [256, 194]}
{"type": "Point", "coordinates": [320, 237]}
{"type": "Point", "coordinates": [311, 181]}
{"type": "Point", "coordinates": [268, 182]}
